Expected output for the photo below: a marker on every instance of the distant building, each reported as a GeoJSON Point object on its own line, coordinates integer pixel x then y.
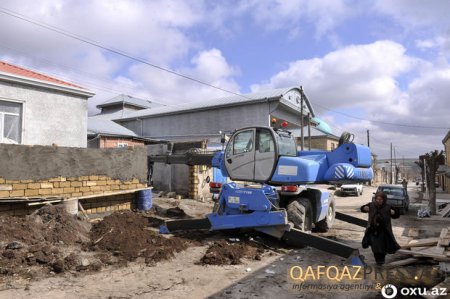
{"type": "Point", "coordinates": [444, 170]}
{"type": "Point", "coordinates": [37, 109]}
{"type": "Point", "coordinates": [103, 132]}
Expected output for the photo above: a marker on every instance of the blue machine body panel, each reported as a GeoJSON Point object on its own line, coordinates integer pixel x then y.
{"type": "Point", "coordinates": [247, 207]}
{"type": "Point", "coordinates": [322, 205]}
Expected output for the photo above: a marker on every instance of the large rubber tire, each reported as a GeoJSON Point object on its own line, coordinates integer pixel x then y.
{"type": "Point", "coordinates": [300, 214]}
{"type": "Point", "coordinates": [325, 224]}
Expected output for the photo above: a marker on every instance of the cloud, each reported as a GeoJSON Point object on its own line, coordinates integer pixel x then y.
{"type": "Point", "coordinates": [208, 66]}
{"type": "Point", "coordinates": [293, 14]}
{"type": "Point", "coordinates": [368, 81]}
{"type": "Point", "coordinates": [354, 75]}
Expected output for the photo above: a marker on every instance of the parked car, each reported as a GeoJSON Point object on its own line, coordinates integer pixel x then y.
{"type": "Point", "coordinates": [397, 197]}
{"type": "Point", "coordinates": [356, 189]}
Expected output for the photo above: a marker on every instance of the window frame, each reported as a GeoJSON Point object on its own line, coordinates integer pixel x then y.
{"type": "Point", "coordinates": [20, 115]}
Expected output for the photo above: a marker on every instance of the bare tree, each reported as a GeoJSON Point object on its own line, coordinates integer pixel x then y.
{"type": "Point", "coordinates": [420, 163]}
{"type": "Point", "coordinates": [432, 161]}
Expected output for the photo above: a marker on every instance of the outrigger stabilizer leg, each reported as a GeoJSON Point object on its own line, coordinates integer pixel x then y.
{"type": "Point", "coordinates": [278, 228]}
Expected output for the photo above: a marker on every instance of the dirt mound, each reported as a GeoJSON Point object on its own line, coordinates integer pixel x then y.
{"type": "Point", "coordinates": [224, 253]}
{"type": "Point", "coordinates": [35, 240]}
{"type": "Point", "coordinates": [126, 235]}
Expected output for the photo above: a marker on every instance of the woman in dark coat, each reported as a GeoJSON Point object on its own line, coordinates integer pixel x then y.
{"type": "Point", "coordinates": [379, 233]}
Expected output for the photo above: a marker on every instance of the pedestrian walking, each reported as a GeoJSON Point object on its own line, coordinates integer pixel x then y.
{"type": "Point", "coordinates": [378, 234]}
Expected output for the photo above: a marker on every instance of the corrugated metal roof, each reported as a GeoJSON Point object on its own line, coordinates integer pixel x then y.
{"type": "Point", "coordinates": [104, 126]}
{"type": "Point", "coordinates": [226, 101]}
{"type": "Point", "coordinates": [129, 100]}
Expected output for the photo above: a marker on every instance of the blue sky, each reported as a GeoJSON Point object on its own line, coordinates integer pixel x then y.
{"type": "Point", "coordinates": [381, 61]}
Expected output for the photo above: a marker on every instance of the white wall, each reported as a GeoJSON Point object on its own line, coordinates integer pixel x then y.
{"type": "Point", "coordinates": [49, 117]}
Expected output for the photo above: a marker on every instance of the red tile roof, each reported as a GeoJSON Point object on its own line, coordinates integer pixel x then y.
{"type": "Point", "coordinates": [19, 71]}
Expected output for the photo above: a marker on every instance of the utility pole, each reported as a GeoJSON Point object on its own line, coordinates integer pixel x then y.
{"type": "Point", "coordinates": [391, 163]}
{"type": "Point", "coordinates": [368, 140]}
{"type": "Point", "coordinates": [301, 121]}
{"type": "Point", "coordinates": [309, 131]}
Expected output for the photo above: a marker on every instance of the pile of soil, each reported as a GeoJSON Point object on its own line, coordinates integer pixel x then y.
{"type": "Point", "coordinates": [224, 253]}
{"type": "Point", "coordinates": [126, 235]}
{"type": "Point", "coordinates": [37, 240]}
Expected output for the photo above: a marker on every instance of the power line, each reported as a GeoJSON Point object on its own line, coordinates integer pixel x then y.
{"type": "Point", "coordinates": [121, 53]}
{"type": "Point", "coordinates": [118, 52]}
{"type": "Point", "coordinates": [381, 122]}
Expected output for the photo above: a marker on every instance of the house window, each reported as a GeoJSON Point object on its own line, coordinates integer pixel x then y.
{"type": "Point", "coordinates": [10, 122]}
{"type": "Point", "coordinates": [122, 144]}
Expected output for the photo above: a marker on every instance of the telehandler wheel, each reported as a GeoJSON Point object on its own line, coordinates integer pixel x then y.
{"type": "Point", "coordinates": [299, 212]}
{"type": "Point", "coordinates": [325, 224]}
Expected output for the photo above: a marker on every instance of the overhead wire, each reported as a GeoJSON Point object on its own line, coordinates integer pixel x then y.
{"type": "Point", "coordinates": [140, 60]}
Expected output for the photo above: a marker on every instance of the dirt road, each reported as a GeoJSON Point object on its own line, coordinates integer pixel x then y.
{"type": "Point", "coordinates": [184, 277]}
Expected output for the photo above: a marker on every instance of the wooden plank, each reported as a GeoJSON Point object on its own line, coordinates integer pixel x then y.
{"type": "Point", "coordinates": [108, 193]}
{"type": "Point", "coordinates": [442, 238]}
{"type": "Point", "coordinates": [440, 257]}
{"type": "Point", "coordinates": [413, 232]}
{"type": "Point", "coordinates": [403, 262]}
{"type": "Point", "coordinates": [445, 211]}
{"type": "Point", "coordinates": [422, 242]}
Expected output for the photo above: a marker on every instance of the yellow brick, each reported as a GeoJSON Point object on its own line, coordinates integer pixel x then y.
{"type": "Point", "coordinates": [115, 187]}
{"type": "Point", "coordinates": [135, 181]}
{"type": "Point", "coordinates": [57, 190]}
{"type": "Point", "coordinates": [123, 187]}
{"type": "Point", "coordinates": [101, 183]}
{"type": "Point", "coordinates": [77, 194]}
{"type": "Point", "coordinates": [90, 183]}
{"type": "Point", "coordinates": [6, 187]}
{"type": "Point", "coordinates": [23, 181]}
{"type": "Point", "coordinates": [96, 188]}
{"type": "Point", "coordinates": [31, 192]}
{"type": "Point", "coordinates": [33, 186]}
{"type": "Point", "coordinates": [87, 193]}
{"type": "Point", "coordinates": [19, 186]}
{"type": "Point", "coordinates": [132, 186]}
{"type": "Point", "coordinates": [17, 193]}
{"type": "Point", "coordinates": [83, 178]}
{"type": "Point", "coordinates": [127, 183]}
{"type": "Point", "coordinates": [69, 190]}
{"type": "Point", "coordinates": [108, 208]}
{"type": "Point", "coordinates": [56, 185]}
{"type": "Point", "coordinates": [64, 184]}
{"type": "Point", "coordinates": [85, 189]}
{"type": "Point", "coordinates": [101, 209]}
{"type": "Point", "coordinates": [4, 193]}
{"type": "Point", "coordinates": [106, 188]}
{"type": "Point", "coordinates": [71, 179]}
{"type": "Point", "coordinates": [46, 185]}
{"type": "Point", "coordinates": [11, 182]}
{"type": "Point", "coordinates": [57, 179]}
{"type": "Point", "coordinates": [93, 178]}
{"type": "Point", "coordinates": [45, 191]}
{"type": "Point", "coordinates": [103, 178]}
{"type": "Point", "coordinates": [2, 181]}
{"type": "Point", "coordinates": [76, 184]}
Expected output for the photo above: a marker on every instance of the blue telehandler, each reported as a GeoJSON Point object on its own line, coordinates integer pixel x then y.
{"type": "Point", "coordinates": [271, 188]}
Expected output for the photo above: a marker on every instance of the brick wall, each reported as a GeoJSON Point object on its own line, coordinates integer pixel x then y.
{"type": "Point", "coordinates": [69, 188]}
{"type": "Point", "coordinates": [109, 142]}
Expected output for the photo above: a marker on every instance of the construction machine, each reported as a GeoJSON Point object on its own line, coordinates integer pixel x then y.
{"type": "Point", "coordinates": [272, 191]}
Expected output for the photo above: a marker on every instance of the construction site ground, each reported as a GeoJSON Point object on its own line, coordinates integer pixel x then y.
{"type": "Point", "coordinates": [83, 259]}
